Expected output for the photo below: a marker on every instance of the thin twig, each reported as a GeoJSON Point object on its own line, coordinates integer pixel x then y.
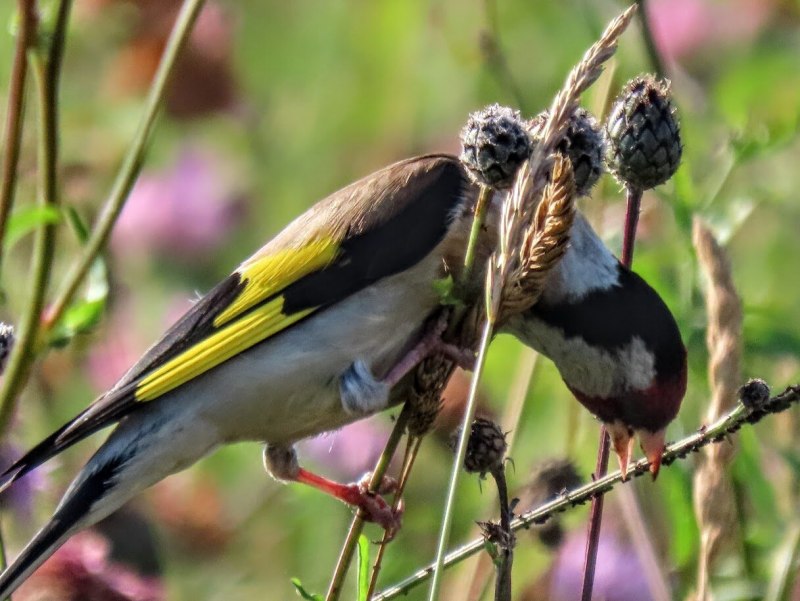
{"type": "Point", "coordinates": [23, 352]}
{"type": "Point", "coordinates": [131, 164]}
{"type": "Point", "coordinates": [649, 41]}
{"type": "Point", "coordinates": [26, 37]}
{"type": "Point", "coordinates": [357, 525]}
{"type": "Point", "coordinates": [717, 432]}
{"type": "Point", "coordinates": [461, 452]}
{"type": "Point", "coordinates": [634, 201]}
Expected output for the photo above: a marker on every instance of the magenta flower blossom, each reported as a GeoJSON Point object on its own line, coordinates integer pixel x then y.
{"type": "Point", "coordinates": [82, 571]}
{"type": "Point", "coordinates": [348, 452]}
{"type": "Point", "coordinates": [681, 28]}
{"type": "Point", "coordinates": [179, 213]}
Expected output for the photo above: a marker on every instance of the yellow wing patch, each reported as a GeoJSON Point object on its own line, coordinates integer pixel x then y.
{"type": "Point", "coordinates": [240, 335]}
{"type": "Point", "coordinates": [270, 274]}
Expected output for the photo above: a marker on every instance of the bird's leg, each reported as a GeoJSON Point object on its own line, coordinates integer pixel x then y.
{"type": "Point", "coordinates": [430, 344]}
{"type": "Point", "coordinates": [363, 394]}
{"type": "Point", "coordinates": [281, 463]}
{"type": "Point", "coordinates": [622, 440]}
{"type": "Point", "coordinates": [653, 445]}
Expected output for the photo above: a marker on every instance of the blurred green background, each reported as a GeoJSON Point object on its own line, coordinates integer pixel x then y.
{"type": "Point", "coordinates": [276, 104]}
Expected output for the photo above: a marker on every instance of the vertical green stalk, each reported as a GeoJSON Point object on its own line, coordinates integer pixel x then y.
{"type": "Point", "coordinates": [26, 37]}
{"type": "Point", "coordinates": [131, 164]}
{"type": "Point", "coordinates": [461, 452]}
{"type": "Point", "coordinates": [23, 353]}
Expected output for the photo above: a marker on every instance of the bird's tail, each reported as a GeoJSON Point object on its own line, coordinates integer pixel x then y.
{"type": "Point", "coordinates": [77, 510]}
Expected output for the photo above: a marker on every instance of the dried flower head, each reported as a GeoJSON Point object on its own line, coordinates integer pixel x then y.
{"type": "Point", "coordinates": [486, 447]}
{"type": "Point", "coordinates": [583, 143]}
{"type": "Point", "coordinates": [644, 143]}
{"type": "Point", "coordinates": [754, 393]}
{"type": "Point", "coordinates": [494, 143]}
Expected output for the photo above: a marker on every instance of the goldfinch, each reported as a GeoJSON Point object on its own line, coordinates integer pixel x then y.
{"type": "Point", "coordinates": [313, 331]}
{"type": "Point", "coordinates": [614, 342]}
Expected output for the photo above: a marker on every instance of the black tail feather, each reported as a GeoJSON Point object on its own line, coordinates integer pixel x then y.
{"type": "Point", "coordinates": [47, 449]}
{"type": "Point", "coordinates": [72, 514]}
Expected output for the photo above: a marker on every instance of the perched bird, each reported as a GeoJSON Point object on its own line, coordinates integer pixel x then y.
{"type": "Point", "coordinates": [315, 330]}
{"type": "Point", "coordinates": [614, 342]}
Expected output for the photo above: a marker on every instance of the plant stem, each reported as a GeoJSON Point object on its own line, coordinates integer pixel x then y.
{"type": "Point", "coordinates": [502, 590]}
{"type": "Point", "coordinates": [481, 206]}
{"type": "Point", "coordinates": [23, 352]}
{"type": "Point", "coordinates": [26, 37]}
{"type": "Point", "coordinates": [357, 525]}
{"type": "Point", "coordinates": [716, 432]}
{"type": "Point", "coordinates": [131, 164]}
{"type": "Point", "coordinates": [634, 200]}
{"type": "Point", "coordinates": [649, 41]}
{"type": "Point", "coordinates": [412, 449]}
{"type": "Point", "coordinates": [469, 415]}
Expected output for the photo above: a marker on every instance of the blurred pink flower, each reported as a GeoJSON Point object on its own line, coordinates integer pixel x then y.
{"type": "Point", "coordinates": [348, 452]}
{"type": "Point", "coordinates": [683, 27]}
{"type": "Point", "coordinates": [179, 213]}
{"type": "Point", "coordinates": [81, 570]}
{"type": "Point", "coordinates": [19, 497]}
{"type": "Point", "coordinates": [619, 574]}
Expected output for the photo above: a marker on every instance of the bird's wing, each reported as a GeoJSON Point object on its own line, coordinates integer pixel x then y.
{"type": "Point", "coordinates": [380, 226]}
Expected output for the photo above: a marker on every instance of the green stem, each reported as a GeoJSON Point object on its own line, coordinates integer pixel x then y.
{"type": "Point", "coordinates": [717, 432]}
{"type": "Point", "coordinates": [481, 206]}
{"type": "Point", "coordinates": [649, 41]}
{"type": "Point", "coordinates": [26, 37]}
{"type": "Point", "coordinates": [461, 452]}
{"type": "Point", "coordinates": [131, 164]}
{"type": "Point", "coordinates": [23, 353]}
{"type": "Point", "coordinates": [357, 525]}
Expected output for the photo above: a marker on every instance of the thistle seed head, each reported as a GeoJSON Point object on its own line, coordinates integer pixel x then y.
{"type": "Point", "coordinates": [644, 143]}
{"type": "Point", "coordinates": [494, 143]}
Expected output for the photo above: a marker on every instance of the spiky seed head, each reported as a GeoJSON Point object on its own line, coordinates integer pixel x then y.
{"type": "Point", "coordinates": [644, 142]}
{"type": "Point", "coordinates": [6, 343]}
{"type": "Point", "coordinates": [754, 393]}
{"type": "Point", "coordinates": [583, 143]}
{"type": "Point", "coordinates": [550, 478]}
{"type": "Point", "coordinates": [486, 447]}
{"type": "Point", "coordinates": [494, 143]}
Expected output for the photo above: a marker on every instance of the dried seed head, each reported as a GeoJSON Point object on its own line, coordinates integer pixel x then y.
{"type": "Point", "coordinates": [494, 143]}
{"type": "Point", "coordinates": [583, 143]}
{"type": "Point", "coordinates": [644, 143]}
{"type": "Point", "coordinates": [6, 343]}
{"type": "Point", "coordinates": [549, 479]}
{"type": "Point", "coordinates": [486, 446]}
{"type": "Point", "coordinates": [754, 393]}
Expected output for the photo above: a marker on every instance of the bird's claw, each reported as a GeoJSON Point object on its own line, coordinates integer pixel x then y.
{"type": "Point", "coordinates": [374, 507]}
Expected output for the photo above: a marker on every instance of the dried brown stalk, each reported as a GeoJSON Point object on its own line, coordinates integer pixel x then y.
{"type": "Point", "coordinates": [714, 499]}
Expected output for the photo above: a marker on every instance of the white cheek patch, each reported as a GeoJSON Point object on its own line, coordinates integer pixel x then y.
{"type": "Point", "coordinates": [590, 369]}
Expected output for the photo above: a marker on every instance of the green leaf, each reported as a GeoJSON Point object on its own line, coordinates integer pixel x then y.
{"type": "Point", "coordinates": [363, 568]}
{"type": "Point", "coordinates": [304, 593]}
{"type": "Point", "coordinates": [25, 220]}
{"type": "Point", "coordinates": [446, 289]}
{"type": "Point", "coordinates": [78, 226]}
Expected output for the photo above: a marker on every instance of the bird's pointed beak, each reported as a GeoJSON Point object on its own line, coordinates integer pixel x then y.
{"type": "Point", "coordinates": [622, 441]}
{"type": "Point", "coordinates": [653, 445]}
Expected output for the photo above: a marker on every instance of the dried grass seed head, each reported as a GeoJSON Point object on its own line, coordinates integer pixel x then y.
{"type": "Point", "coordinates": [583, 143]}
{"type": "Point", "coordinates": [643, 136]}
{"type": "Point", "coordinates": [494, 143]}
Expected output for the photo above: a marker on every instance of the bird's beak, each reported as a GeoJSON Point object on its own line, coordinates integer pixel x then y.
{"type": "Point", "coordinates": [623, 444]}
{"type": "Point", "coordinates": [653, 445]}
